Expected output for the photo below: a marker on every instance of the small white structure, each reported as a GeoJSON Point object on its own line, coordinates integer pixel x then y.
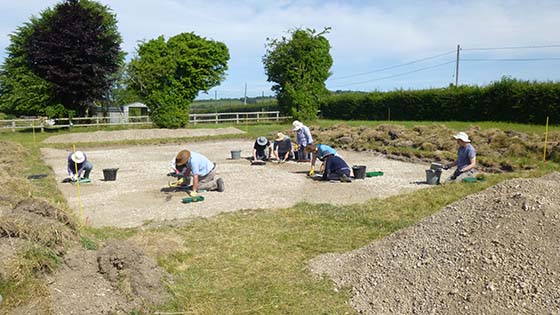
{"type": "Point", "coordinates": [121, 114]}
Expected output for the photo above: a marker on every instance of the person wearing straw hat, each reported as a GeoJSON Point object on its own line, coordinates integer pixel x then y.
{"type": "Point", "coordinates": [203, 172]}
{"type": "Point", "coordinates": [282, 148]}
{"type": "Point", "coordinates": [319, 151]}
{"type": "Point", "coordinates": [303, 138]}
{"type": "Point", "coordinates": [78, 161]}
{"type": "Point", "coordinates": [466, 159]}
{"type": "Point", "coordinates": [259, 149]}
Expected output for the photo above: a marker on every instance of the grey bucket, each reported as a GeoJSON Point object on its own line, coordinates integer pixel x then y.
{"type": "Point", "coordinates": [235, 154]}
{"type": "Point", "coordinates": [359, 171]}
{"type": "Point", "coordinates": [433, 176]}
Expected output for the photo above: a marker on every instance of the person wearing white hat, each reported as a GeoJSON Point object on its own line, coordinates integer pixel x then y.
{"type": "Point", "coordinates": [259, 149]}
{"type": "Point", "coordinates": [303, 138]}
{"type": "Point", "coordinates": [78, 164]}
{"type": "Point", "coordinates": [466, 159]}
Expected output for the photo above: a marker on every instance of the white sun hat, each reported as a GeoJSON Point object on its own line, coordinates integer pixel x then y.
{"type": "Point", "coordinates": [78, 157]}
{"type": "Point", "coordinates": [261, 140]}
{"type": "Point", "coordinates": [462, 136]}
{"type": "Point", "coordinates": [297, 125]}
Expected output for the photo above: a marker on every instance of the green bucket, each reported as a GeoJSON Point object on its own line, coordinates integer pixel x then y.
{"type": "Point", "coordinates": [470, 179]}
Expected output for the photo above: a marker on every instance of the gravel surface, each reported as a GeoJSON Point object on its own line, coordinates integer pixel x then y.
{"type": "Point", "coordinates": [138, 134]}
{"type": "Point", "coordinates": [495, 252]}
{"type": "Point", "coordinates": [136, 197]}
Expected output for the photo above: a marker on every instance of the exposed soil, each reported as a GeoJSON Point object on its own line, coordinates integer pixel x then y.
{"type": "Point", "coordinates": [138, 134]}
{"type": "Point", "coordinates": [117, 279]}
{"type": "Point", "coordinates": [140, 194]}
{"type": "Point", "coordinates": [494, 252]}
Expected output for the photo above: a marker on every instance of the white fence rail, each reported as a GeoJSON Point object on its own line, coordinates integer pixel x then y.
{"type": "Point", "coordinates": [43, 123]}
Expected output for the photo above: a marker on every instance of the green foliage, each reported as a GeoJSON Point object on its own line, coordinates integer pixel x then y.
{"type": "Point", "coordinates": [88, 243]}
{"type": "Point", "coordinates": [61, 61]}
{"type": "Point", "coordinates": [169, 75]}
{"type": "Point", "coordinates": [299, 66]}
{"type": "Point", "coordinates": [505, 100]}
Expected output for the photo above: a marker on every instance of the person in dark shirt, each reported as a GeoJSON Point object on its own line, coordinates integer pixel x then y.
{"type": "Point", "coordinates": [259, 149]}
{"type": "Point", "coordinates": [78, 165]}
{"type": "Point", "coordinates": [336, 169]}
{"type": "Point", "coordinates": [282, 148]}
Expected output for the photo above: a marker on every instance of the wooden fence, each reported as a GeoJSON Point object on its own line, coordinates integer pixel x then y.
{"type": "Point", "coordinates": [43, 123]}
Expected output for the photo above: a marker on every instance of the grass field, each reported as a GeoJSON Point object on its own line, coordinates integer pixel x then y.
{"type": "Point", "coordinates": [255, 262]}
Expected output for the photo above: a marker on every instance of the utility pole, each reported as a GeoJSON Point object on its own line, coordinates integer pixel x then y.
{"type": "Point", "coordinates": [215, 101]}
{"type": "Point", "coordinates": [245, 99]}
{"type": "Point", "coordinates": [457, 67]}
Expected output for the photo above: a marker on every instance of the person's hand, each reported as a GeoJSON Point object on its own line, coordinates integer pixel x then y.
{"type": "Point", "coordinates": [193, 193]}
{"type": "Point", "coordinates": [311, 172]}
{"type": "Point", "coordinates": [73, 177]}
{"type": "Point", "coordinates": [446, 167]}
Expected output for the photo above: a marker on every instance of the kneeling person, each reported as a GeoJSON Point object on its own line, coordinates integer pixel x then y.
{"type": "Point", "coordinates": [78, 165]}
{"type": "Point", "coordinates": [203, 171]}
{"type": "Point", "coordinates": [336, 169]}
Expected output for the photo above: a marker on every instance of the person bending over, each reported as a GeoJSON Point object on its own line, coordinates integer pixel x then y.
{"type": "Point", "coordinates": [203, 172]}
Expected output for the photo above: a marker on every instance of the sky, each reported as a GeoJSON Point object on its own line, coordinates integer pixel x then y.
{"type": "Point", "coordinates": [376, 45]}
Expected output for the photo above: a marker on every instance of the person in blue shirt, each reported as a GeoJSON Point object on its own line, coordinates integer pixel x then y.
{"type": "Point", "coordinates": [318, 151]}
{"type": "Point", "coordinates": [203, 172]}
{"type": "Point", "coordinates": [466, 159]}
{"type": "Point", "coordinates": [336, 169]}
{"type": "Point", "coordinates": [78, 161]}
{"type": "Point", "coordinates": [303, 138]}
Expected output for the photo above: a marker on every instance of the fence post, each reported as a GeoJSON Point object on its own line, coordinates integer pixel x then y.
{"type": "Point", "coordinates": [13, 126]}
{"type": "Point", "coordinates": [277, 115]}
{"type": "Point", "coordinates": [216, 118]}
{"type": "Point", "coordinates": [237, 118]}
{"type": "Point", "coordinates": [258, 116]}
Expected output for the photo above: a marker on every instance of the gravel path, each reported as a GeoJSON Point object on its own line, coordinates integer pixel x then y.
{"type": "Point", "coordinates": [495, 252]}
{"type": "Point", "coordinates": [136, 196]}
{"type": "Point", "coordinates": [138, 134]}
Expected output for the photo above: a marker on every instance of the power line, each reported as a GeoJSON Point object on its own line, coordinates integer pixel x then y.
{"type": "Point", "coordinates": [509, 59]}
{"type": "Point", "coordinates": [512, 47]}
{"type": "Point", "coordinates": [399, 74]}
{"type": "Point", "coordinates": [394, 66]}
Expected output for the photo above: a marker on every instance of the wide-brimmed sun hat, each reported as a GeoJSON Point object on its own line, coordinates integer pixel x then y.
{"type": "Point", "coordinates": [261, 141]}
{"type": "Point", "coordinates": [78, 157]}
{"type": "Point", "coordinates": [462, 136]}
{"type": "Point", "coordinates": [280, 136]}
{"type": "Point", "coordinates": [297, 125]}
{"type": "Point", "coordinates": [182, 157]}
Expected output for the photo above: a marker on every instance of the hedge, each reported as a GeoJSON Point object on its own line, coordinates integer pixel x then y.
{"type": "Point", "coordinates": [507, 100]}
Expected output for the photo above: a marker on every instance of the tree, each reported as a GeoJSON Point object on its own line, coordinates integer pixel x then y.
{"type": "Point", "coordinates": [77, 50]}
{"type": "Point", "coordinates": [169, 75]}
{"type": "Point", "coordinates": [299, 66]}
{"type": "Point", "coordinates": [65, 58]}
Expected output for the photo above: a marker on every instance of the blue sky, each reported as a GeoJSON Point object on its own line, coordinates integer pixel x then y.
{"type": "Point", "coordinates": [366, 37]}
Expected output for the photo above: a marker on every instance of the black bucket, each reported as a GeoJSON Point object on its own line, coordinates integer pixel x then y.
{"type": "Point", "coordinates": [110, 174]}
{"type": "Point", "coordinates": [359, 171]}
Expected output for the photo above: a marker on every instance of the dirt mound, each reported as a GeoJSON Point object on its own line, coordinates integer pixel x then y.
{"type": "Point", "coordinates": [497, 150]}
{"type": "Point", "coordinates": [117, 279]}
{"type": "Point", "coordinates": [495, 252]}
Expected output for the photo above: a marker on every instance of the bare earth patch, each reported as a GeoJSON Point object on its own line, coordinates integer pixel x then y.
{"type": "Point", "coordinates": [139, 134]}
{"type": "Point", "coordinates": [494, 252]}
{"type": "Point", "coordinates": [136, 197]}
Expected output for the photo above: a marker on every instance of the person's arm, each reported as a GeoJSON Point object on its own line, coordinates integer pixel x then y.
{"type": "Point", "coordinates": [195, 183]}
{"type": "Point", "coordinates": [450, 165]}
{"type": "Point", "coordinates": [470, 166]}
{"type": "Point", "coordinates": [269, 152]}
{"type": "Point", "coordinates": [254, 154]}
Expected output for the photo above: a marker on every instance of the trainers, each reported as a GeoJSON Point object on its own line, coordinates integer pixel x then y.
{"type": "Point", "coordinates": [345, 179]}
{"type": "Point", "coordinates": [220, 183]}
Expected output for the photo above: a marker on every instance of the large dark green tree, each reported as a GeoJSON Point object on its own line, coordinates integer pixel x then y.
{"type": "Point", "coordinates": [168, 75]}
{"type": "Point", "coordinates": [299, 67]}
{"type": "Point", "coordinates": [70, 53]}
